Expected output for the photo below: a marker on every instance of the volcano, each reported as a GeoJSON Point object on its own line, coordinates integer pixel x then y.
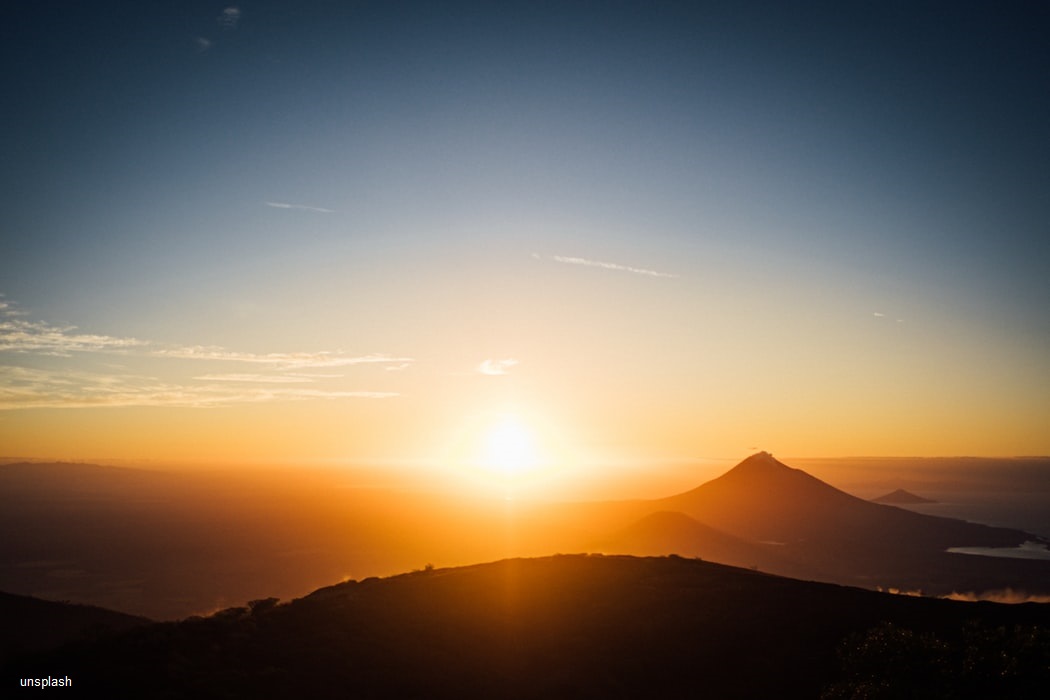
{"type": "Point", "coordinates": [822, 533]}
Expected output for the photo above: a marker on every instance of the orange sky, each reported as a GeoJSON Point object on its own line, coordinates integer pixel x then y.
{"type": "Point", "coordinates": [647, 238]}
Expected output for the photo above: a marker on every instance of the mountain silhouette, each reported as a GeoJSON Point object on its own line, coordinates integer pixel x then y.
{"type": "Point", "coordinates": [829, 535]}
{"type": "Point", "coordinates": [902, 497]}
{"type": "Point", "coordinates": [763, 499]}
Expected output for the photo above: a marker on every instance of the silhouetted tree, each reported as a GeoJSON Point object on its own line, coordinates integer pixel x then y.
{"type": "Point", "coordinates": [262, 605]}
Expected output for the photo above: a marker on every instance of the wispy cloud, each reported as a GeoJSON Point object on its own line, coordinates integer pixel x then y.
{"type": "Point", "coordinates": [496, 367]}
{"type": "Point", "coordinates": [25, 388]}
{"type": "Point", "coordinates": [283, 378]}
{"type": "Point", "coordinates": [38, 369]}
{"type": "Point", "coordinates": [286, 205]}
{"type": "Point", "coordinates": [9, 310]}
{"type": "Point", "coordinates": [610, 266]}
{"type": "Point", "coordinates": [258, 378]}
{"type": "Point", "coordinates": [282, 360]}
{"type": "Point", "coordinates": [229, 17]}
{"type": "Point", "coordinates": [879, 315]}
{"type": "Point", "coordinates": [19, 335]}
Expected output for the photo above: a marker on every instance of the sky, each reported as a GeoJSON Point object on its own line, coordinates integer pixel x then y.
{"type": "Point", "coordinates": [590, 233]}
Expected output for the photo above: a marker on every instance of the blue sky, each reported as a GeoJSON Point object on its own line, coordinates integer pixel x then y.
{"type": "Point", "coordinates": [844, 203]}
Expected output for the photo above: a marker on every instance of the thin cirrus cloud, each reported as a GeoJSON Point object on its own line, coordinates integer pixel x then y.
{"type": "Point", "coordinates": [27, 387]}
{"type": "Point", "coordinates": [286, 378]}
{"type": "Point", "coordinates": [495, 368]}
{"type": "Point", "coordinates": [281, 360]}
{"type": "Point", "coordinates": [24, 388]}
{"type": "Point", "coordinates": [304, 207]}
{"type": "Point", "coordinates": [22, 336]}
{"type": "Point", "coordinates": [64, 381]}
{"type": "Point", "coordinates": [258, 378]}
{"type": "Point", "coordinates": [565, 260]}
{"type": "Point", "coordinates": [229, 17]}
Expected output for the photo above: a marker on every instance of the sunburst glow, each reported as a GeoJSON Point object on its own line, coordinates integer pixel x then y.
{"type": "Point", "coordinates": [510, 447]}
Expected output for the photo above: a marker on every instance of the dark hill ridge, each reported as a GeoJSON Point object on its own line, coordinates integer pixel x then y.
{"type": "Point", "coordinates": [562, 626]}
{"type": "Point", "coordinates": [902, 497]}
{"type": "Point", "coordinates": [31, 624]}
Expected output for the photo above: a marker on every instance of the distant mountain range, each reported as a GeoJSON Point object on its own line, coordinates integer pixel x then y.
{"type": "Point", "coordinates": [902, 497]}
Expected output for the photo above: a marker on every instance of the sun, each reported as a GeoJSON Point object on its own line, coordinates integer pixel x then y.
{"type": "Point", "coordinates": [510, 448]}
{"type": "Point", "coordinates": [510, 452]}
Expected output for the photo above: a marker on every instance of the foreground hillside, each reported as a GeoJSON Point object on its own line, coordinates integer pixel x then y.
{"type": "Point", "coordinates": [30, 624]}
{"type": "Point", "coordinates": [561, 626]}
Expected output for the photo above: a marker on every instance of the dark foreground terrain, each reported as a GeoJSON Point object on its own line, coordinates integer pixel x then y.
{"type": "Point", "coordinates": [573, 626]}
{"type": "Point", "coordinates": [30, 624]}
